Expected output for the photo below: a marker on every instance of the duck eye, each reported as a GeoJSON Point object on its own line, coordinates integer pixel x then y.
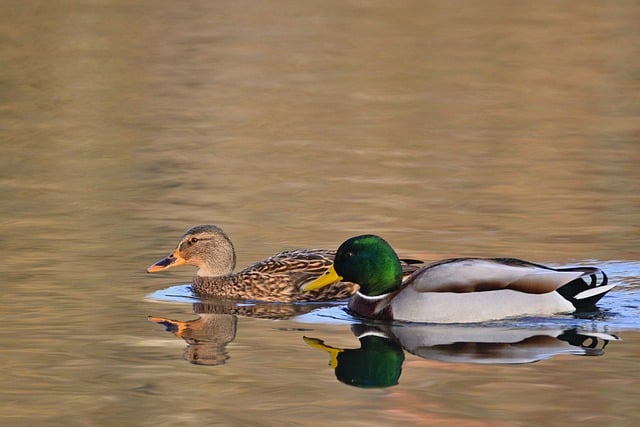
{"type": "Point", "coordinates": [193, 240]}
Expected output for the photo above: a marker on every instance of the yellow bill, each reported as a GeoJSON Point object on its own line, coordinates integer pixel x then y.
{"type": "Point", "coordinates": [328, 277]}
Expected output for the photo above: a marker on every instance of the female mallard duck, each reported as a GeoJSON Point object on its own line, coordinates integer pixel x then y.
{"type": "Point", "coordinates": [277, 278]}
{"type": "Point", "coordinates": [458, 290]}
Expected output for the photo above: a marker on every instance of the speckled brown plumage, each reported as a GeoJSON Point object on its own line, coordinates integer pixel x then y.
{"type": "Point", "coordinates": [278, 278]}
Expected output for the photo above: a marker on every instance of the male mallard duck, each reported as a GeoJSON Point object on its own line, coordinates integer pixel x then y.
{"type": "Point", "coordinates": [277, 278]}
{"type": "Point", "coordinates": [458, 290]}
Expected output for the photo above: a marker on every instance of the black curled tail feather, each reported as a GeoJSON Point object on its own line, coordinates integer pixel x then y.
{"type": "Point", "coordinates": [585, 291]}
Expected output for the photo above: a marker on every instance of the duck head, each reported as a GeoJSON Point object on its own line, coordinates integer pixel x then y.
{"type": "Point", "coordinates": [205, 246]}
{"type": "Point", "coordinates": [367, 260]}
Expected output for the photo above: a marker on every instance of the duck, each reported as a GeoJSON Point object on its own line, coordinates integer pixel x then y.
{"type": "Point", "coordinates": [278, 278]}
{"type": "Point", "coordinates": [458, 290]}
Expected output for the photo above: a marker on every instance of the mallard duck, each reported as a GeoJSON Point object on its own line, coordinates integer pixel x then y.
{"type": "Point", "coordinates": [277, 278]}
{"type": "Point", "coordinates": [458, 290]}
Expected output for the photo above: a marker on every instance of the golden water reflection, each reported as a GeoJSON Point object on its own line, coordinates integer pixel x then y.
{"type": "Point", "coordinates": [492, 128]}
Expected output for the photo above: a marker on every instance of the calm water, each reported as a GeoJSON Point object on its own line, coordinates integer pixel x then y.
{"type": "Point", "coordinates": [450, 128]}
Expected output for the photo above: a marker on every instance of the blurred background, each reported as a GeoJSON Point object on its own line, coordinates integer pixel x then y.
{"type": "Point", "coordinates": [495, 128]}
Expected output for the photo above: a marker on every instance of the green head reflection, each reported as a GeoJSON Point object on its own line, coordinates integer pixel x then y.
{"type": "Point", "coordinates": [377, 363]}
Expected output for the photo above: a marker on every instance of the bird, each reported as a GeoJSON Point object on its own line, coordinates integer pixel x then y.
{"type": "Point", "coordinates": [458, 290]}
{"type": "Point", "coordinates": [278, 278]}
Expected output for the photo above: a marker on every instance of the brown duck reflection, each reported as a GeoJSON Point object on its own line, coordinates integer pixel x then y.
{"type": "Point", "coordinates": [378, 361]}
{"type": "Point", "coordinates": [207, 335]}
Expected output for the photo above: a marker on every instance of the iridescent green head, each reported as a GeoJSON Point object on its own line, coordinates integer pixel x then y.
{"type": "Point", "coordinates": [367, 260]}
{"type": "Point", "coordinates": [370, 262]}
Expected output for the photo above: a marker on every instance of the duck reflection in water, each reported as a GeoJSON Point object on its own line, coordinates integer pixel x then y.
{"type": "Point", "coordinates": [207, 336]}
{"type": "Point", "coordinates": [378, 361]}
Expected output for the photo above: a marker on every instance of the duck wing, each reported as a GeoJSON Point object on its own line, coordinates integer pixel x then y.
{"type": "Point", "coordinates": [308, 261]}
{"type": "Point", "coordinates": [478, 274]}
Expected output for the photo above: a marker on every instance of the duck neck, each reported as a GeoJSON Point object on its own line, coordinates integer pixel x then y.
{"type": "Point", "coordinates": [382, 281]}
{"type": "Point", "coordinates": [220, 286]}
{"type": "Point", "coordinates": [372, 298]}
{"type": "Point", "coordinates": [207, 271]}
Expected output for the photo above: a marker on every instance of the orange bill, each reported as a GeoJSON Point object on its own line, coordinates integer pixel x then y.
{"type": "Point", "coordinates": [173, 260]}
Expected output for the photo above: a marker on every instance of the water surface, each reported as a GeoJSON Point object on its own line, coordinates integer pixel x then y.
{"type": "Point", "coordinates": [493, 129]}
